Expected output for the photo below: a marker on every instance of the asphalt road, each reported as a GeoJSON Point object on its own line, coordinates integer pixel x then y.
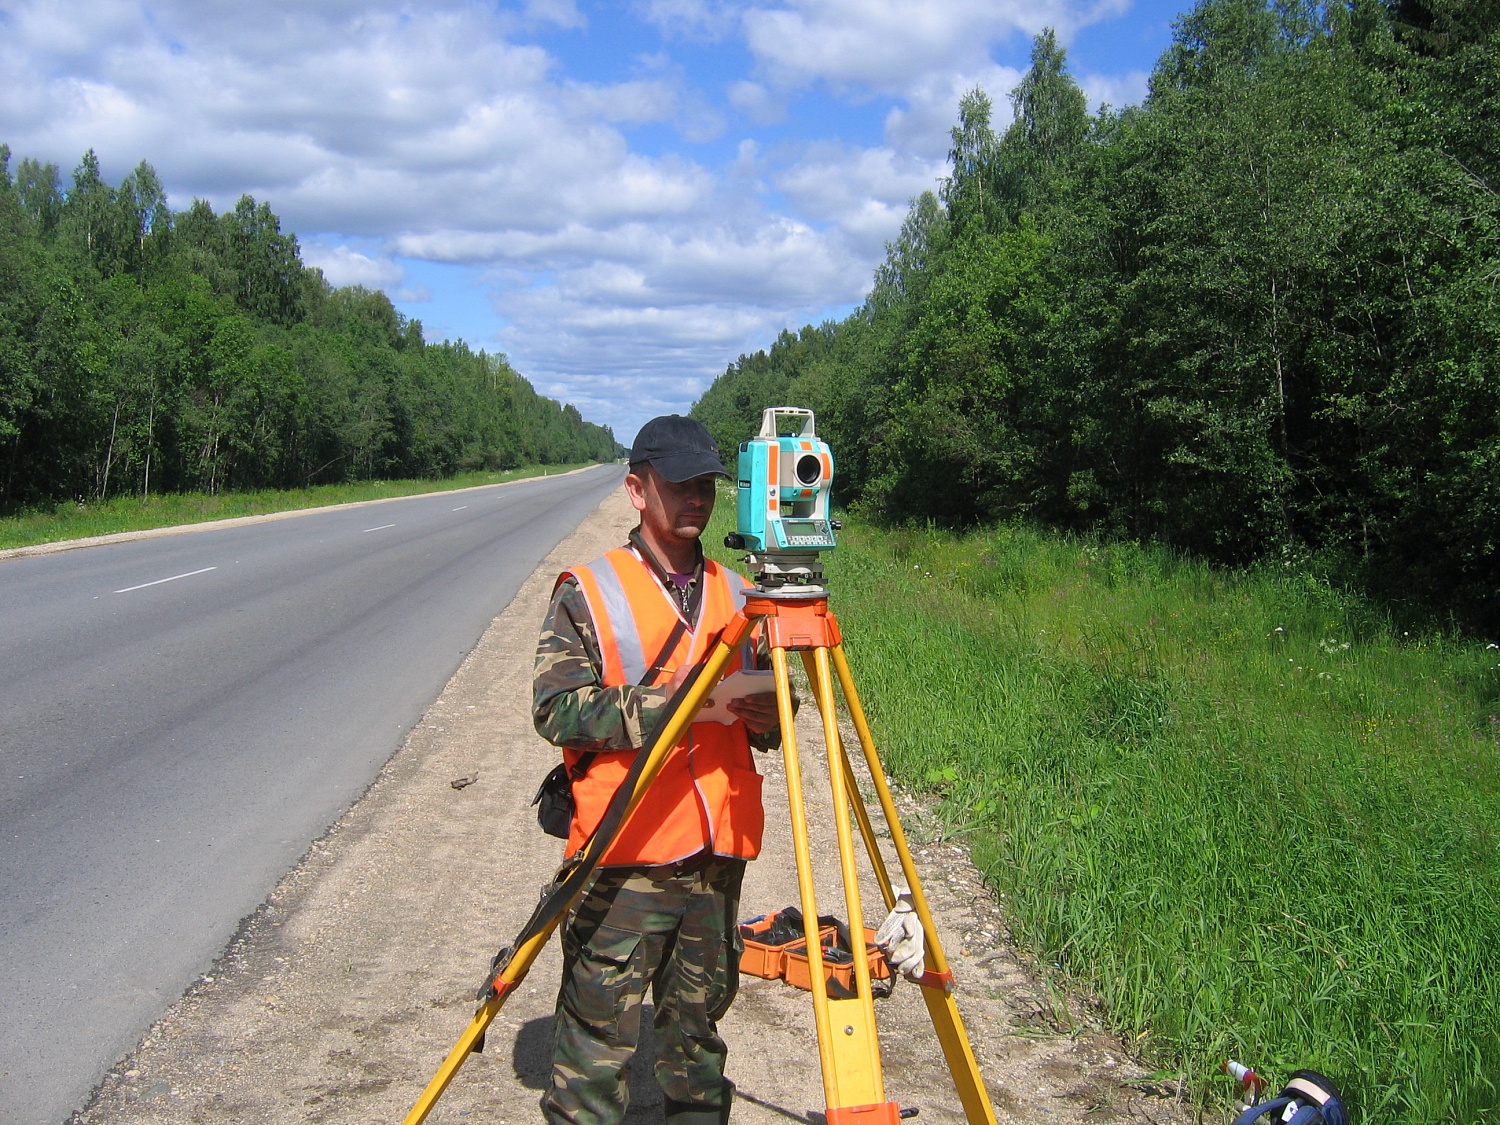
{"type": "Point", "coordinates": [181, 717]}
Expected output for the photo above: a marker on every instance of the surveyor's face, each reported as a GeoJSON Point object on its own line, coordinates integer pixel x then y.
{"type": "Point", "coordinates": [674, 511]}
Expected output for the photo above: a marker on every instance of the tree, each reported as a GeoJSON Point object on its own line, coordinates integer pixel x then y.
{"type": "Point", "coordinates": [143, 204]}
{"type": "Point", "coordinates": [1051, 122]}
{"type": "Point", "coordinates": [146, 350]}
{"type": "Point", "coordinates": [266, 262]}
{"type": "Point", "coordinates": [92, 223]}
{"type": "Point", "coordinates": [969, 191]}
{"type": "Point", "coordinates": [40, 192]}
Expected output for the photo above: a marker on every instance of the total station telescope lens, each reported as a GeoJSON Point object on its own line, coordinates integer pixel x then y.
{"type": "Point", "coordinates": [809, 470]}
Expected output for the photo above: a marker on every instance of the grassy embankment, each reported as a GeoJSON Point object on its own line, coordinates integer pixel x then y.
{"type": "Point", "coordinates": [1236, 809]}
{"type": "Point", "coordinates": [129, 513]}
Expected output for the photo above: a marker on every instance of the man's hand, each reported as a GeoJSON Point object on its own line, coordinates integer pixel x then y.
{"type": "Point", "coordinates": [900, 936]}
{"type": "Point", "coordinates": [758, 711]}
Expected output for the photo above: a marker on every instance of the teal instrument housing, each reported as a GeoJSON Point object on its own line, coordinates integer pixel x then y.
{"type": "Point", "coordinates": [785, 482]}
{"type": "Point", "coordinates": [751, 503]}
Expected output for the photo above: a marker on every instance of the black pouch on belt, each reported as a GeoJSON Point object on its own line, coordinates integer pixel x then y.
{"type": "Point", "coordinates": [554, 799]}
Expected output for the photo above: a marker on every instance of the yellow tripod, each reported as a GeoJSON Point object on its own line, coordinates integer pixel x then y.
{"type": "Point", "coordinates": [848, 1042]}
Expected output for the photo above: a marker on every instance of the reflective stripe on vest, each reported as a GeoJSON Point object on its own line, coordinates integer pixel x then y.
{"type": "Point", "coordinates": [609, 604]}
{"type": "Point", "coordinates": [621, 647]}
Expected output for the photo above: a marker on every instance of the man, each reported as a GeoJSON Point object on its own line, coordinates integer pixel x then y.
{"type": "Point", "coordinates": [661, 912]}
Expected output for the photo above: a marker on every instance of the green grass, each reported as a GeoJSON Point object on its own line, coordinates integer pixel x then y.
{"type": "Point", "coordinates": [1233, 809]}
{"type": "Point", "coordinates": [128, 513]}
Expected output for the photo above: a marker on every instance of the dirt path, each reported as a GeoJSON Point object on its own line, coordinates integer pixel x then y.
{"type": "Point", "coordinates": [341, 996]}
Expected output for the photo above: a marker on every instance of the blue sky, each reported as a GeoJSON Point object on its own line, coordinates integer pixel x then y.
{"type": "Point", "coordinates": [621, 197]}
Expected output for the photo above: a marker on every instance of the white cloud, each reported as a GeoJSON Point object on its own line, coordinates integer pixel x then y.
{"type": "Point", "coordinates": [923, 125]}
{"type": "Point", "coordinates": [692, 20]}
{"type": "Point", "coordinates": [563, 13]}
{"type": "Point", "coordinates": [889, 46]}
{"type": "Point", "coordinates": [757, 103]}
{"type": "Point", "coordinates": [653, 317]}
{"type": "Point", "coordinates": [344, 266]}
{"type": "Point", "coordinates": [1115, 90]}
{"type": "Point", "coordinates": [865, 192]}
{"type": "Point", "coordinates": [636, 102]}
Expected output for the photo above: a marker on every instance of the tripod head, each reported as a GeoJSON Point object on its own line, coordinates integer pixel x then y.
{"type": "Point", "coordinates": [782, 522]}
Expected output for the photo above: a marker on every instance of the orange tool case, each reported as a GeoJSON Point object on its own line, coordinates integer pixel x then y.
{"type": "Point", "coordinates": [776, 949]}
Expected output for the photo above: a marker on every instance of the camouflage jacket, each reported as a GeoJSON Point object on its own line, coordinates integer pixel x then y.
{"type": "Point", "coordinates": [571, 707]}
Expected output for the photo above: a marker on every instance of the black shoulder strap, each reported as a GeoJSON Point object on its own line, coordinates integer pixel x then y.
{"type": "Point", "coordinates": [666, 651]}
{"type": "Point", "coordinates": [586, 759]}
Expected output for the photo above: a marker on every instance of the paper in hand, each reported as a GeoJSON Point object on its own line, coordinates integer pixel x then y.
{"type": "Point", "coordinates": [734, 686]}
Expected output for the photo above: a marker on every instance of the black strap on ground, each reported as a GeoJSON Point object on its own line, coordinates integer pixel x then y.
{"type": "Point", "coordinates": [573, 875]}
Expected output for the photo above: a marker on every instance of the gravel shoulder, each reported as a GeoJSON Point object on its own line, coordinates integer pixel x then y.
{"type": "Point", "coordinates": [338, 999]}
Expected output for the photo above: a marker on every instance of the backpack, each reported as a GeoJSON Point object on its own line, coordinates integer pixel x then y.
{"type": "Point", "coordinates": [1307, 1099]}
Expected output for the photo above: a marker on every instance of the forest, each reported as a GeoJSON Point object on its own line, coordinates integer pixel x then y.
{"type": "Point", "coordinates": [1252, 319]}
{"type": "Point", "coordinates": [145, 350]}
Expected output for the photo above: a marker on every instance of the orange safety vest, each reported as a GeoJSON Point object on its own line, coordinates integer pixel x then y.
{"type": "Point", "coordinates": [707, 795]}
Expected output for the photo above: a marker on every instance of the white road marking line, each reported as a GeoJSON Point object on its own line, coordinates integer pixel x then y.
{"type": "Point", "coordinates": [382, 527]}
{"type": "Point", "coordinates": [159, 581]}
{"type": "Point", "coordinates": [460, 508]}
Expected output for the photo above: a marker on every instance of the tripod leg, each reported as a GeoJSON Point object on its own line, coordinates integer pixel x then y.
{"type": "Point", "coordinates": [842, 796]}
{"type": "Point", "coordinates": [937, 978]}
{"type": "Point", "coordinates": [848, 1047]}
{"type": "Point", "coordinates": [803, 852]}
{"type": "Point", "coordinates": [456, 1058]}
{"type": "Point", "coordinates": [861, 813]}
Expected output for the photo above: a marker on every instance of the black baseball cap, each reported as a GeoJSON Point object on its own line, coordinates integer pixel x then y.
{"type": "Point", "coordinates": [678, 448]}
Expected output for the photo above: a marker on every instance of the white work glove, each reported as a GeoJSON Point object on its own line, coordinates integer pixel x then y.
{"type": "Point", "coordinates": [900, 936]}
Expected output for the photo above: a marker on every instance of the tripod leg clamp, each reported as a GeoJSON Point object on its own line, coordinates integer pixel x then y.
{"type": "Point", "coordinates": [943, 981]}
{"type": "Point", "coordinates": [492, 990]}
{"type": "Point", "coordinates": [493, 986]}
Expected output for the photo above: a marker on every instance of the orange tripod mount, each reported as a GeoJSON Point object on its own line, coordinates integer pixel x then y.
{"type": "Point", "coordinates": [795, 619]}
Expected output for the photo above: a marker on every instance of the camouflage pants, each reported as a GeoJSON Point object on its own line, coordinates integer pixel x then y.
{"type": "Point", "coordinates": [673, 930]}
